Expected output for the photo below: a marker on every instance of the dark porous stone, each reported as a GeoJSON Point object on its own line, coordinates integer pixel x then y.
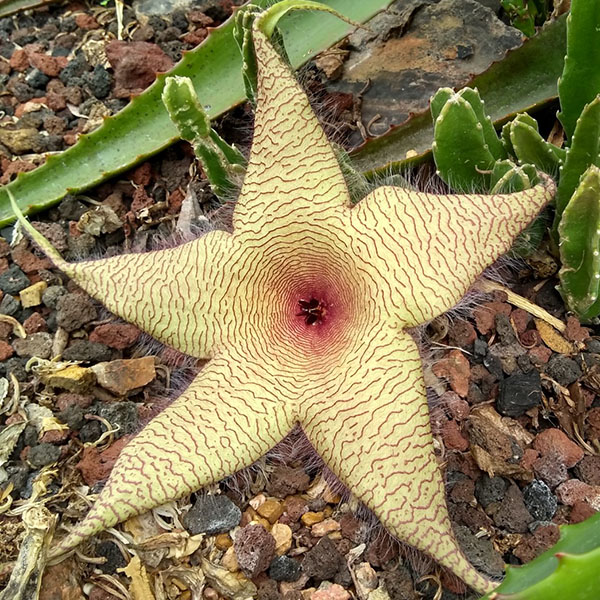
{"type": "Point", "coordinates": [268, 590]}
{"type": "Point", "coordinates": [21, 91]}
{"type": "Point", "coordinates": [123, 415]}
{"type": "Point", "coordinates": [52, 294]}
{"type": "Point", "coordinates": [519, 393]}
{"type": "Point", "coordinates": [17, 475]}
{"type": "Point", "coordinates": [99, 81]}
{"type": "Point", "coordinates": [254, 549]}
{"type": "Point", "coordinates": [539, 500]}
{"type": "Point", "coordinates": [16, 366]}
{"type": "Point", "coordinates": [43, 454]}
{"type": "Point", "coordinates": [504, 329]}
{"type": "Point", "coordinates": [480, 552]}
{"type": "Point", "coordinates": [512, 514]}
{"type": "Point", "coordinates": [323, 560]}
{"type": "Point", "coordinates": [399, 584]}
{"type": "Point", "coordinates": [73, 416]}
{"type": "Point", "coordinates": [212, 515]}
{"type": "Point", "coordinates": [489, 489]}
{"type": "Point", "coordinates": [551, 469]}
{"type": "Point", "coordinates": [71, 74]}
{"type": "Point", "coordinates": [36, 79]}
{"type": "Point", "coordinates": [86, 351]}
{"type": "Point", "coordinates": [9, 306]}
{"type": "Point", "coordinates": [588, 470]}
{"type": "Point", "coordinates": [494, 365]}
{"type": "Point", "coordinates": [480, 349]}
{"type": "Point", "coordinates": [284, 568]}
{"type": "Point", "coordinates": [114, 557]}
{"type": "Point", "coordinates": [91, 431]}
{"type": "Point", "coordinates": [13, 280]}
{"type": "Point", "coordinates": [285, 481]}
{"type": "Point", "coordinates": [71, 209]}
{"type": "Point", "coordinates": [36, 344]}
{"type": "Point", "coordinates": [562, 369]}
{"type": "Point", "coordinates": [74, 311]}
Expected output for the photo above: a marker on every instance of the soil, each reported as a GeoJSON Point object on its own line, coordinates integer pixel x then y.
{"type": "Point", "coordinates": [514, 404]}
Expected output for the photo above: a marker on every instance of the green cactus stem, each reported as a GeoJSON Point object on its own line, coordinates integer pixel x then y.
{"type": "Point", "coordinates": [579, 232]}
{"type": "Point", "coordinates": [580, 80]}
{"type": "Point", "coordinates": [583, 152]}
{"type": "Point", "coordinates": [522, 139]}
{"type": "Point", "coordinates": [508, 177]}
{"type": "Point", "coordinates": [465, 145]}
{"type": "Point", "coordinates": [222, 163]}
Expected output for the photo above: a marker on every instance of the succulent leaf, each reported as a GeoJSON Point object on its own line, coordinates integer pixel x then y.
{"type": "Point", "coordinates": [220, 161]}
{"type": "Point", "coordinates": [462, 155]}
{"type": "Point", "coordinates": [583, 152]}
{"type": "Point", "coordinates": [579, 83]}
{"type": "Point", "coordinates": [304, 310]}
{"type": "Point", "coordinates": [579, 232]}
{"type": "Point", "coordinates": [529, 147]}
{"type": "Point", "coordinates": [508, 177]}
{"type": "Point", "coordinates": [567, 570]}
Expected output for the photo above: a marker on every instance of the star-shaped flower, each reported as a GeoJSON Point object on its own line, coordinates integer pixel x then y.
{"type": "Point", "coordinates": [303, 312]}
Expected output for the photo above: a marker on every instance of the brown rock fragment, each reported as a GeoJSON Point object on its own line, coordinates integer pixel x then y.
{"type": "Point", "coordinates": [115, 335]}
{"type": "Point", "coordinates": [96, 466]}
{"type": "Point", "coordinates": [254, 548]}
{"type": "Point", "coordinates": [122, 376]}
{"type": "Point", "coordinates": [554, 440]}
{"type": "Point", "coordinates": [455, 368]}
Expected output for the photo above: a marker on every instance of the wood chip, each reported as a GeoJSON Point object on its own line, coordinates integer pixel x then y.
{"type": "Point", "coordinates": [554, 340]}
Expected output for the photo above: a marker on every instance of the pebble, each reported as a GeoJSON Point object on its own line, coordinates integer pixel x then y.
{"type": "Point", "coordinates": [539, 500]}
{"type": "Point", "coordinates": [322, 561]}
{"type": "Point", "coordinates": [115, 335]}
{"type": "Point", "coordinates": [461, 334]}
{"type": "Point", "coordinates": [73, 416]}
{"type": "Point", "coordinates": [74, 311]}
{"type": "Point", "coordinates": [574, 490]}
{"type": "Point", "coordinates": [36, 344]}
{"type": "Point", "coordinates": [456, 369]}
{"type": "Point", "coordinates": [13, 280]}
{"type": "Point", "coordinates": [254, 547]}
{"type": "Point", "coordinates": [36, 79]}
{"type": "Point", "coordinates": [551, 469]}
{"type": "Point", "coordinates": [453, 437]}
{"type": "Point", "coordinates": [563, 370]}
{"type": "Point", "coordinates": [310, 518]}
{"type": "Point", "coordinates": [211, 515]}
{"type": "Point", "coordinates": [86, 351]}
{"type": "Point", "coordinates": [325, 527]}
{"type": "Point", "coordinates": [9, 306]}
{"type": "Point", "coordinates": [518, 393]}
{"type": "Point", "coordinates": [123, 415]}
{"type": "Point", "coordinates": [282, 534]}
{"type": "Point", "coordinates": [223, 541]}
{"type": "Point", "coordinates": [588, 470]}
{"type": "Point", "coordinates": [490, 489]}
{"type": "Point", "coordinates": [122, 376]}
{"type": "Point", "coordinates": [271, 510]}
{"type": "Point", "coordinates": [35, 323]}
{"type": "Point", "coordinates": [512, 514]}
{"type": "Point", "coordinates": [331, 592]}
{"type": "Point", "coordinates": [113, 555]}
{"type": "Point", "coordinates": [43, 454]}
{"type": "Point", "coordinates": [6, 350]}
{"type": "Point", "coordinates": [229, 560]}
{"type": "Point", "coordinates": [96, 466]}
{"type": "Point", "coordinates": [52, 295]}
{"type": "Point", "coordinates": [284, 568]}
{"type": "Point", "coordinates": [555, 441]}
{"type": "Point", "coordinates": [480, 552]}
{"type": "Point", "coordinates": [72, 378]}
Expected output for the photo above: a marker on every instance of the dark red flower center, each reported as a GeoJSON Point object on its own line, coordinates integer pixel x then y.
{"type": "Point", "coordinates": [313, 310]}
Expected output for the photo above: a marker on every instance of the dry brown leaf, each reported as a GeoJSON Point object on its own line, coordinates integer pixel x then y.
{"type": "Point", "coordinates": [554, 340]}
{"type": "Point", "coordinates": [140, 588]}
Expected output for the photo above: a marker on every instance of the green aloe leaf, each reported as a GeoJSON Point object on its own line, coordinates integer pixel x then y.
{"type": "Point", "coordinates": [143, 127]}
{"type": "Point", "coordinates": [580, 81]}
{"type": "Point", "coordinates": [524, 80]}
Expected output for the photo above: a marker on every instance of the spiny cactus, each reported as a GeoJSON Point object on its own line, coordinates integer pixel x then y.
{"type": "Point", "coordinates": [579, 231]}
{"type": "Point", "coordinates": [567, 571]}
{"type": "Point", "coordinates": [221, 162]}
{"type": "Point", "coordinates": [465, 145]}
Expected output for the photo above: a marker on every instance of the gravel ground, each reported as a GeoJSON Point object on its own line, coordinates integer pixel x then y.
{"type": "Point", "coordinates": [515, 410]}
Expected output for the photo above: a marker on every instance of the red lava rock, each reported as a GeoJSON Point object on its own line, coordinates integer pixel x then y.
{"type": "Point", "coordinates": [382, 549]}
{"type": "Point", "coordinates": [351, 528]}
{"type": "Point", "coordinates": [580, 512]}
{"type": "Point", "coordinates": [6, 350]}
{"type": "Point", "coordinates": [19, 61]}
{"type": "Point", "coordinates": [453, 438]}
{"type": "Point", "coordinates": [539, 355]}
{"type": "Point", "coordinates": [333, 592]}
{"type": "Point", "coordinates": [55, 436]}
{"type": "Point", "coordinates": [485, 315]}
{"type": "Point", "coordinates": [6, 330]}
{"type": "Point", "coordinates": [461, 333]}
{"type": "Point", "coordinates": [195, 37]}
{"type": "Point", "coordinates": [539, 541]}
{"type": "Point", "coordinates": [34, 324]}
{"type": "Point", "coordinates": [27, 260]}
{"type": "Point", "coordinates": [592, 423]}
{"type": "Point", "coordinates": [55, 101]}
{"type": "Point", "coordinates": [96, 466]}
{"type": "Point", "coordinates": [551, 469]}
{"type": "Point", "coordinates": [554, 440]}
{"type": "Point", "coordinates": [463, 491]}
{"type": "Point", "coordinates": [66, 399]}
{"type": "Point", "coordinates": [529, 457]}
{"type": "Point", "coordinates": [140, 200]}
{"type": "Point", "coordinates": [530, 338]}
{"type": "Point", "coordinates": [574, 490]}
{"type": "Point", "coordinates": [294, 507]}
{"type": "Point", "coordinates": [49, 65]}
{"type": "Point", "coordinates": [588, 470]}
{"type": "Point", "coordinates": [135, 65]}
{"type": "Point", "coordinates": [176, 198]}
{"type": "Point", "coordinates": [456, 369]}
{"type": "Point", "coordinates": [60, 582]}
{"type": "Point", "coordinates": [85, 21]}
{"type": "Point", "coordinates": [115, 335]}
{"type": "Point", "coordinates": [324, 560]}
{"type": "Point", "coordinates": [285, 481]}
{"type": "Point", "coordinates": [142, 174]}
{"type": "Point", "coordinates": [575, 332]}
{"type": "Point", "coordinates": [254, 549]}
{"type": "Point", "coordinates": [512, 513]}
{"type": "Point", "coordinates": [520, 319]}
{"type": "Point", "coordinates": [455, 406]}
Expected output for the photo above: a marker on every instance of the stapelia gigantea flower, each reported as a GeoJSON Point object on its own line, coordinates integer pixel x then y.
{"type": "Point", "coordinates": [303, 312]}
